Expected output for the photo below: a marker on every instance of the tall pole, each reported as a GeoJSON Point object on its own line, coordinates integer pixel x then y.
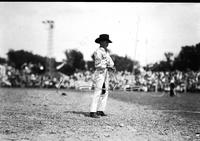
{"type": "Point", "coordinates": [49, 62]}
{"type": "Point", "coordinates": [146, 42]}
{"type": "Point", "coordinates": [136, 41]}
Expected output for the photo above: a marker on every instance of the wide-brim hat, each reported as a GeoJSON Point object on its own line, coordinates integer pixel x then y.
{"type": "Point", "coordinates": [103, 37]}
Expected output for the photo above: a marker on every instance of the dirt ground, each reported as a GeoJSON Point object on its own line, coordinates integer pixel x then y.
{"type": "Point", "coordinates": [45, 115]}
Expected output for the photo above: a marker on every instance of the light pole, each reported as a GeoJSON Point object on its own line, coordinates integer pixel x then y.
{"type": "Point", "coordinates": [136, 43]}
{"type": "Point", "coordinates": [136, 40]}
{"type": "Point", "coordinates": [49, 63]}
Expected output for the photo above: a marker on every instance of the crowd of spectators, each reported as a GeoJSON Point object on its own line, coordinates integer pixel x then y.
{"type": "Point", "coordinates": [145, 81]}
{"type": "Point", "coordinates": [160, 81]}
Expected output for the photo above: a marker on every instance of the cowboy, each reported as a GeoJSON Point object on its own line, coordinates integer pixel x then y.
{"type": "Point", "coordinates": [172, 87]}
{"type": "Point", "coordinates": [103, 63]}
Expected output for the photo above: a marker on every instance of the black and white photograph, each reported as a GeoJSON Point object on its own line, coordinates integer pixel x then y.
{"type": "Point", "coordinates": [99, 71]}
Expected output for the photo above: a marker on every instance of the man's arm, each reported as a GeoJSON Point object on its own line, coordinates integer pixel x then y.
{"type": "Point", "coordinates": [100, 63]}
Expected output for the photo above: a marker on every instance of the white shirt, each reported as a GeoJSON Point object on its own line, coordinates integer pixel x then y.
{"type": "Point", "coordinates": [102, 59]}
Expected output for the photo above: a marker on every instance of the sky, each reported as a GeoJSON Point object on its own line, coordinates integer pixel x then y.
{"type": "Point", "coordinates": [141, 31]}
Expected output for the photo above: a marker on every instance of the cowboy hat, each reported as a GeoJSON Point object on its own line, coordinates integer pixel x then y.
{"type": "Point", "coordinates": [103, 37]}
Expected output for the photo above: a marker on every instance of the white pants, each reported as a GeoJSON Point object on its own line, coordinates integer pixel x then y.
{"type": "Point", "coordinates": [99, 100]}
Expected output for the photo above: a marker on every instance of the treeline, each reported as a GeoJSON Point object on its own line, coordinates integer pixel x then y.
{"type": "Point", "coordinates": [187, 59]}
{"type": "Point", "coordinates": [73, 62]}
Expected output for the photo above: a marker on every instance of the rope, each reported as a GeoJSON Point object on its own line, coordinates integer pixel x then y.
{"type": "Point", "coordinates": [111, 75]}
{"type": "Point", "coordinates": [179, 111]}
{"type": "Point", "coordinates": [90, 87]}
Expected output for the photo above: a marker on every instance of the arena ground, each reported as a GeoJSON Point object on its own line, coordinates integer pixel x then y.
{"type": "Point", "coordinates": [48, 115]}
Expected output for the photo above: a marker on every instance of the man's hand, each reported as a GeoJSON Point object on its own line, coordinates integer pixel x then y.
{"type": "Point", "coordinates": [111, 68]}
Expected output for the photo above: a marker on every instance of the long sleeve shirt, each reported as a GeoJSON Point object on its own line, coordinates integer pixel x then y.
{"type": "Point", "coordinates": [102, 59]}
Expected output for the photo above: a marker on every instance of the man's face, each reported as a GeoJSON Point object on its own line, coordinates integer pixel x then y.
{"type": "Point", "coordinates": [104, 43]}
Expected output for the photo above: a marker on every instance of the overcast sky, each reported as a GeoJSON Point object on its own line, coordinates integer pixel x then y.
{"type": "Point", "coordinates": [158, 27]}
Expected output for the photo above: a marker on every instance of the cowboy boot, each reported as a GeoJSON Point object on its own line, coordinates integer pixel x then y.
{"type": "Point", "coordinates": [94, 115]}
{"type": "Point", "coordinates": [101, 113]}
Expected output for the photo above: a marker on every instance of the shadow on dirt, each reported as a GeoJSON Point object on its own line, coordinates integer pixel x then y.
{"type": "Point", "coordinates": [86, 114]}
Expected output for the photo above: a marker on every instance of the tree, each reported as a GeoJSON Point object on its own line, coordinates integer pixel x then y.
{"type": "Point", "coordinates": [74, 61]}
{"type": "Point", "coordinates": [90, 65]}
{"type": "Point", "coordinates": [168, 56]}
{"type": "Point", "coordinates": [19, 57]}
{"type": "Point", "coordinates": [163, 65]}
{"type": "Point", "coordinates": [169, 62]}
{"type": "Point", "coordinates": [124, 63]}
{"type": "Point", "coordinates": [2, 60]}
{"type": "Point", "coordinates": [121, 63]}
{"type": "Point", "coordinates": [188, 58]}
{"type": "Point", "coordinates": [198, 54]}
